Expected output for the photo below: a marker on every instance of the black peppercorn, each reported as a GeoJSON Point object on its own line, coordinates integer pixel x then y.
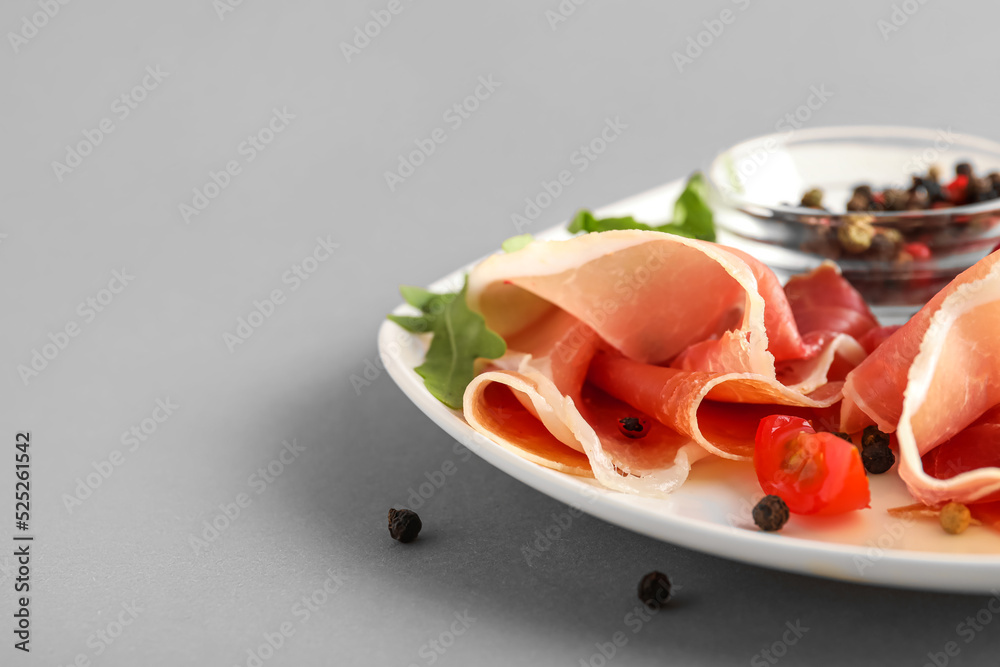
{"type": "Point", "coordinates": [859, 204]}
{"type": "Point", "coordinates": [980, 189]}
{"type": "Point", "coordinates": [877, 458]}
{"type": "Point", "coordinates": [995, 182]}
{"type": "Point", "coordinates": [654, 590]}
{"type": "Point", "coordinates": [895, 199]}
{"type": "Point", "coordinates": [883, 248]}
{"type": "Point", "coordinates": [771, 513]}
{"type": "Point", "coordinates": [873, 436]}
{"type": "Point", "coordinates": [404, 525]}
{"type": "Point", "coordinates": [841, 435]}
{"type": "Point", "coordinates": [863, 191]}
{"type": "Point", "coordinates": [633, 427]}
{"type": "Point", "coordinates": [932, 183]}
{"type": "Point", "coordinates": [918, 200]}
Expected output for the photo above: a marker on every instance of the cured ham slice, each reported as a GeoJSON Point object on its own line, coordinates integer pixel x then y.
{"type": "Point", "coordinates": [951, 382]}
{"type": "Point", "coordinates": [697, 339]}
{"type": "Point", "coordinates": [718, 411]}
{"type": "Point", "coordinates": [644, 293]}
{"type": "Point", "coordinates": [873, 393]}
{"type": "Point", "coordinates": [534, 401]}
{"type": "Point", "coordinates": [877, 336]}
{"type": "Point", "coordinates": [935, 382]}
{"type": "Point", "coordinates": [822, 300]}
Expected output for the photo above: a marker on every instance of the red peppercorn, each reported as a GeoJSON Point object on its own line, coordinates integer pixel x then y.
{"type": "Point", "coordinates": [958, 189]}
{"type": "Point", "coordinates": [919, 251]}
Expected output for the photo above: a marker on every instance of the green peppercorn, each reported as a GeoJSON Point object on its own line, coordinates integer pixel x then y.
{"type": "Point", "coordinates": [855, 233]}
{"type": "Point", "coordinates": [813, 198]}
{"type": "Point", "coordinates": [955, 518]}
{"type": "Point", "coordinates": [771, 513]}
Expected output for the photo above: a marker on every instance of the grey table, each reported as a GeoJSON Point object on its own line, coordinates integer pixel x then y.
{"type": "Point", "coordinates": [200, 239]}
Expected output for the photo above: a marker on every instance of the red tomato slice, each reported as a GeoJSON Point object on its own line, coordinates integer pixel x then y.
{"type": "Point", "coordinates": [814, 473]}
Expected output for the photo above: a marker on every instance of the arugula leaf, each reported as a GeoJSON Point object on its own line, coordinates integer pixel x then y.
{"type": "Point", "coordinates": [460, 337]}
{"type": "Point", "coordinates": [691, 211]}
{"type": "Point", "coordinates": [692, 216]}
{"type": "Point", "coordinates": [515, 243]}
{"type": "Point", "coordinates": [411, 324]}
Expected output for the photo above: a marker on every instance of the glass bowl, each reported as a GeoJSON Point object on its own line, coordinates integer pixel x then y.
{"type": "Point", "coordinates": [756, 187]}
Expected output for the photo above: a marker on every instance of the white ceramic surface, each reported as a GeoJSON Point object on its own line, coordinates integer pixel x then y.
{"type": "Point", "coordinates": [711, 512]}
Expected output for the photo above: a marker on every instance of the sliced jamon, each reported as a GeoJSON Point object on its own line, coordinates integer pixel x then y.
{"type": "Point", "coordinates": [644, 293]}
{"type": "Point", "coordinates": [590, 324]}
{"type": "Point", "coordinates": [718, 411]}
{"type": "Point", "coordinates": [575, 425]}
{"type": "Point", "coordinates": [950, 385]}
{"type": "Point", "coordinates": [873, 393]}
{"type": "Point", "coordinates": [823, 300]}
{"type": "Point", "coordinates": [877, 336]}
{"type": "Point", "coordinates": [495, 409]}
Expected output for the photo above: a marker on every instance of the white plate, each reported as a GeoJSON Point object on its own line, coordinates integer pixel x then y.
{"type": "Point", "coordinates": [711, 512]}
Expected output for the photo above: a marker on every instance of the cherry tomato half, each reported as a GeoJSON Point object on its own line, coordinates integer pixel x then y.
{"type": "Point", "coordinates": [814, 473]}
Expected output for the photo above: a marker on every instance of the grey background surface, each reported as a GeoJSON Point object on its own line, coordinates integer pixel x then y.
{"type": "Point", "coordinates": [129, 542]}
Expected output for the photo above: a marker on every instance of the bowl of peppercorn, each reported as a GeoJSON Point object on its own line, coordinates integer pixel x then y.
{"type": "Point", "coordinates": [900, 210]}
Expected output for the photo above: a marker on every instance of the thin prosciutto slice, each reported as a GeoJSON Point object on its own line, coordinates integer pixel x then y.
{"type": "Point", "coordinates": [699, 339]}
{"type": "Point", "coordinates": [932, 380]}
{"type": "Point", "coordinates": [873, 392]}
{"type": "Point", "coordinates": [535, 402]}
{"type": "Point", "coordinates": [822, 301]}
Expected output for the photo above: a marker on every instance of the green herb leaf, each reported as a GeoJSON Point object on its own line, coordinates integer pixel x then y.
{"type": "Point", "coordinates": [691, 211]}
{"type": "Point", "coordinates": [412, 324]}
{"type": "Point", "coordinates": [584, 221]}
{"type": "Point", "coordinates": [692, 216]}
{"type": "Point", "coordinates": [460, 337]}
{"type": "Point", "coordinates": [515, 243]}
{"type": "Point", "coordinates": [417, 297]}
